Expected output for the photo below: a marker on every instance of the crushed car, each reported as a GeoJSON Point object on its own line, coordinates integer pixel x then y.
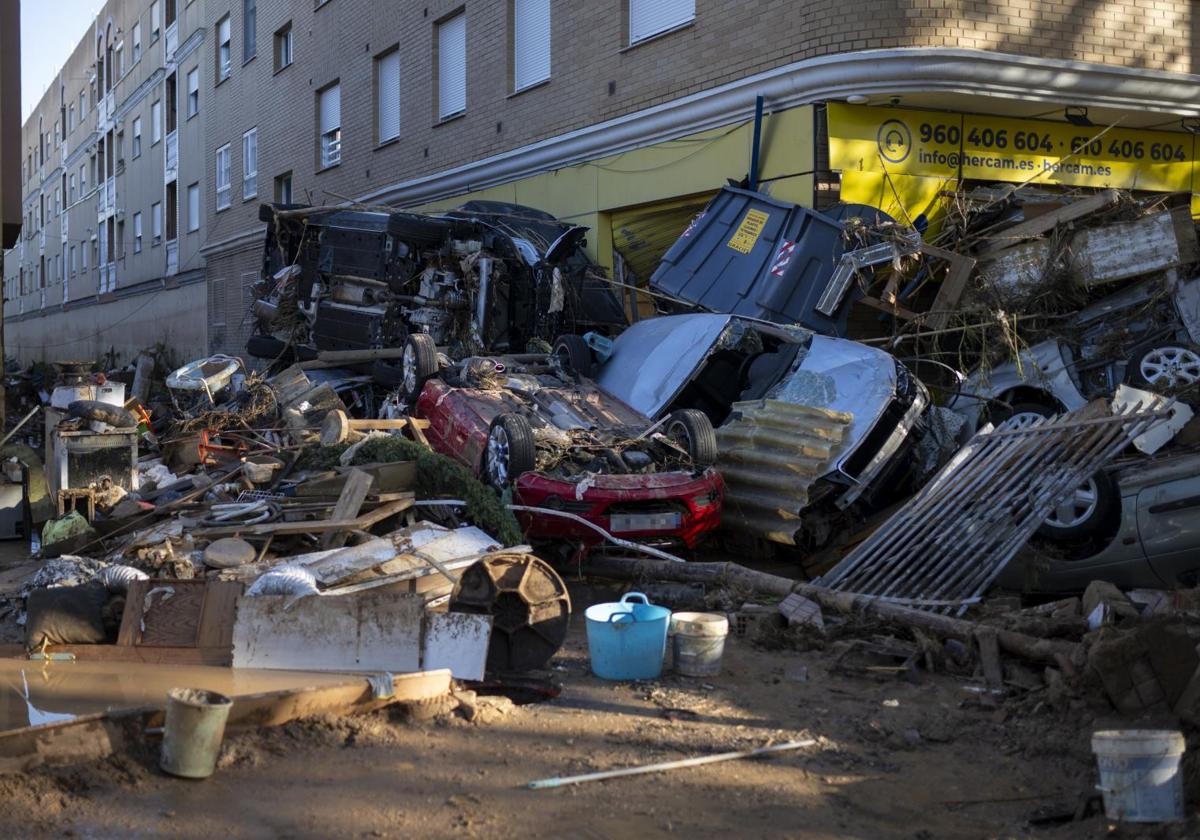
{"type": "Point", "coordinates": [702, 367]}
{"type": "Point", "coordinates": [487, 277]}
{"type": "Point", "coordinates": [563, 444]}
{"type": "Point", "coordinates": [1147, 335]}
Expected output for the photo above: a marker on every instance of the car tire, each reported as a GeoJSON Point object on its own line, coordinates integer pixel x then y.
{"type": "Point", "coordinates": [418, 363]}
{"type": "Point", "coordinates": [574, 354]}
{"type": "Point", "coordinates": [1028, 409]}
{"type": "Point", "coordinates": [510, 452]}
{"type": "Point", "coordinates": [1097, 503]}
{"type": "Point", "coordinates": [693, 430]}
{"type": "Point", "coordinates": [1164, 366]}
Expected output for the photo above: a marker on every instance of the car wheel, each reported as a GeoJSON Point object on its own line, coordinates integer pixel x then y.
{"type": "Point", "coordinates": [693, 431]}
{"type": "Point", "coordinates": [1084, 513]}
{"type": "Point", "coordinates": [574, 354]}
{"type": "Point", "coordinates": [1165, 367]}
{"type": "Point", "coordinates": [1026, 412]}
{"type": "Point", "coordinates": [418, 363]}
{"type": "Point", "coordinates": [510, 451]}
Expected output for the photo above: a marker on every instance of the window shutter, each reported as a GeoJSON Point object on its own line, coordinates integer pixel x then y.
{"type": "Point", "coordinates": [331, 109]}
{"type": "Point", "coordinates": [193, 207]}
{"type": "Point", "coordinates": [649, 17]}
{"type": "Point", "coordinates": [452, 66]}
{"type": "Point", "coordinates": [193, 82]}
{"type": "Point", "coordinates": [531, 42]}
{"type": "Point", "coordinates": [389, 96]}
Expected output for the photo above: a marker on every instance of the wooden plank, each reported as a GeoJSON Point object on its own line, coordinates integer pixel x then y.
{"type": "Point", "coordinates": [349, 503]}
{"type": "Point", "coordinates": [366, 520]}
{"type": "Point", "coordinates": [368, 355]}
{"type": "Point", "coordinates": [1048, 221]}
{"type": "Point", "coordinates": [220, 610]}
{"type": "Point", "coordinates": [132, 653]}
{"type": "Point", "coordinates": [131, 618]}
{"type": "Point", "coordinates": [989, 657]}
{"type": "Point", "coordinates": [951, 289]}
{"type": "Point", "coordinates": [172, 618]}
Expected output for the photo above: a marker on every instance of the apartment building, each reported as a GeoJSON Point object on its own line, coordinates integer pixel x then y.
{"type": "Point", "coordinates": [109, 260]}
{"type": "Point", "coordinates": [621, 115]}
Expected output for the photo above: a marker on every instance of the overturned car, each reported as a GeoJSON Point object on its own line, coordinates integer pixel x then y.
{"type": "Point", "coordinates": [487, 277]}
{"type": "Point", "coordinates": [812, 430]}
{"type": "Point", "coordinates": [563, 444]}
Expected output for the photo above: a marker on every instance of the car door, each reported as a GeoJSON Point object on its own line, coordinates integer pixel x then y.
{"type": "Point", "coordinates": [1168, 515]}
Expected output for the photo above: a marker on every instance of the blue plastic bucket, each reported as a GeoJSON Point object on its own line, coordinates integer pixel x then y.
{"type": "Point", "coordinates": [627, 640]}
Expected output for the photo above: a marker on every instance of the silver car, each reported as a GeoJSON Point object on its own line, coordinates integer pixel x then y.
{"type": "Point", "coordinates": [1147, 534]}
{"type": "Point", "coordinates": [711, 361]}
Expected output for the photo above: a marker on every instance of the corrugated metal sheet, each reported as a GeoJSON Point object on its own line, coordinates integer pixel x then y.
{"type": "Point", "coordinates": [643, 234]}
{"type": "Point", "coordinates": [946, 545]}
{"type": "Point", "coordinates": [771, 452]}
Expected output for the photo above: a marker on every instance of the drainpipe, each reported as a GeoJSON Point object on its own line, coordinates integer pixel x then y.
{"type": "Point", "coordinates": [758, 117]}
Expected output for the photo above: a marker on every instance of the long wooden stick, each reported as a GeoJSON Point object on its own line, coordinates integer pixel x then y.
{"type": "Point", "coordinates": [542, 784]}
{"type": "Point", "coordinates": [739, 577]}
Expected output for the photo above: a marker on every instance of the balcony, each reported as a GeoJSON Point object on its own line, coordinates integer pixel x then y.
{"type": "Point", "coordinates": [171, 167]}
{"type": "Point", "coordinates": [172, 258]}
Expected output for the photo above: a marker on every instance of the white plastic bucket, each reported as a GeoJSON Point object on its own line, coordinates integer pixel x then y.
{"type": "Point", "coordinates": [1139, 774]}
{"type": "Point", "coordinates": [193, 732]}
{"type": "Point", "coordinates": [698, 643]}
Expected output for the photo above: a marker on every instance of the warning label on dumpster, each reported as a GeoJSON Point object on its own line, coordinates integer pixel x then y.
{"type": "Point", "coordinates": [989, 148]}
{"type": "Point", "coordinates": [748, 231]}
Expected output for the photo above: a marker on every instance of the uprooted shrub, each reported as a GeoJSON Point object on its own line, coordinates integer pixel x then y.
{"type": "Point", "coordinates": [438, 477]}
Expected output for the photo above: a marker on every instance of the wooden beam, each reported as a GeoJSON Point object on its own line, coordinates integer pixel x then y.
{"type": "Point", "coordinates": [363, 522]}
{"type": "Point", "coordinates": [349, 503]}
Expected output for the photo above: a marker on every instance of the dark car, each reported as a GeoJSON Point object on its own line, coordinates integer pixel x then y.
{"type": "Point", "coordinates": [487, 277]}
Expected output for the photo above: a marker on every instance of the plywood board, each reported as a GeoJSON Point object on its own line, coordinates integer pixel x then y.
{"type": "Point", "coordinates": [459, 642]}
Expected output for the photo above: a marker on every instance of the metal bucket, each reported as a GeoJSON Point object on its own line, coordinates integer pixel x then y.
{"type": "Point", "coordinates": [627, 639]}
{"type": "Point", "coordinates": [193, 732]}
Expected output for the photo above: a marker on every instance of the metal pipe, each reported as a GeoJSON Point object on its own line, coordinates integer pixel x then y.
{"type": "Point", "coordinates": [756, 142]}
{"type": "Point", "coordinates": [481, 299]}
{"type": "Point", "coordinates": [542, 784]}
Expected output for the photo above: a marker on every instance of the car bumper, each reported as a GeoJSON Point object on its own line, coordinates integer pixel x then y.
{"type": "Point", "coordinates": [672, 508]}
{"type": "Point", "coordinates": [878, 463]}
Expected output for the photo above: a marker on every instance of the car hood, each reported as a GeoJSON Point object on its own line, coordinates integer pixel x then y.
{"type": "Point", "coordinates": [654, 359]}
{"type": "Point", "coordinates": [841, 375]}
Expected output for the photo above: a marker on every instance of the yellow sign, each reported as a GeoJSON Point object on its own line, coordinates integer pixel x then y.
{"type": "Point", "coordinates": [999, 149]}
{"type": "Point", "coordinates": [748, 231]}
{"type": "Point", "coordinates": [902, 142]}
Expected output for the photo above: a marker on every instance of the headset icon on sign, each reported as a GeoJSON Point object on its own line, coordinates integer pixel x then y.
{"type": "Point", "coordinates": [895, 141]}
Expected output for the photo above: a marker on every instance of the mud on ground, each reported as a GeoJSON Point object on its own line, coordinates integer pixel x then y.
{"type": "Point", "coordinates": [895, 759]}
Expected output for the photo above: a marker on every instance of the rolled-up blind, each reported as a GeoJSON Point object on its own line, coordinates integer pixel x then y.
{"type": "Point", "coordinates": [649, 17]}
{"type": "Point", "coordinates": [452, 66]}
{"type": "Point", "coordinates": [331, 109]}
{"type": "Point", "coordinates": [531, 42]}
{"type": "Point", "coordinates": [389, 96]}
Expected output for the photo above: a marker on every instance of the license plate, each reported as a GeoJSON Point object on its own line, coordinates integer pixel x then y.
{"type": "Point", "coordinates": [644, 521]}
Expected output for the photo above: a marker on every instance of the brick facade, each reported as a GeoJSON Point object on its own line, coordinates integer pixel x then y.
{"type": "Point", "coordinates": [595, 76]}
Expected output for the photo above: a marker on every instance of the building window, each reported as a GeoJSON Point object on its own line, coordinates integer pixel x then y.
{"type": "Point", "coordinates": [250, 164]}
{"type": "Point", "coordinates": [452, 66]}
{"type": "Point", "coordinates": [223, 192]}
{"type": "Point", "coordinates": [387, 96]}
{"type": "Point", "coordinates": [648, 18]}
{"type": "Point", "coordinates": [249, 30]}
{"type": "Point", "coordinates": [224, 53]}
{"type": "Point", "coordinates": [193, 92]}
{"type": "Point", "coordinates": [329, 127]}
{"type": "Point", "coordinates": [82, 180]}
{"type": "Point", "coordinates": [57, 201]}
{"type": "Point", "coordinates": [71, 117]}
{"type": "Point", "coordinates": [156, 223]}
{"type": "Point", "coordinates": [71, 189]}
{"type": "Point", "coordinates": [74, 262]}
{"type": "Point", "coordinates": [283, 188]}
{"type": "Point", "coordinates": [155, 122]}
{"type": "Point", "coordinates": [83, 255]}
{"type": "Point", "coordinates": [193, 207]}
{"type": "Point", "coordinates": [531, 43]}
{"type": "Point", "coordinates": [137, 233]}
{"type": "Point", "coordinates": [137, 42]}
{"type": "Point", "coordinates": [283, 46]}
{"type": "Point", "coordinates": [136, 148]}
{"type": "Point", "coordinates": [119, 63]}
{"type": "Point", "coordinates": [154, 21]}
